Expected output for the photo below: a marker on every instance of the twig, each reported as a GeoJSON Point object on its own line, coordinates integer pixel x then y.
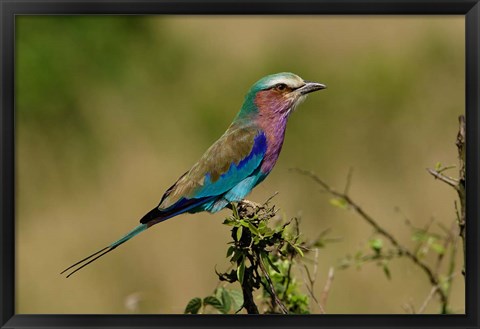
{"type": "Point", "coordinates": [349, 181]}
{"type": "Point", "coordinates": [310, 288]}
{"type": "Point", "coordinates": [297, 232]}
{"type": "Point", "coordinates": [451, 269]}
{"type": "Point", "coordinates": [424, 231]}
{"type": "Point", "coordinates": [248, 302]}
{"type": "Point", "coordinates": [461, 138]}
{"type": "Point", "coordinates": [311, 281]}
{"type": "Point", "coordinates": [401, 249]}
{"type": "Point", "coordinates": [289, 272]}
{"type": "Point", "coordinates": [446, 179]}
{"type": "Point", "coordinates": [449, 239]}
{"type": "Point", "coordinates": [428, 299]}
{"type": "Point", "coordinates": [270, 198]}
{"type": "Point", "coordinates": [458, 184]}
{"type": "Point", "coordinates": [327, 287]}
{"type": "Point", "coordinates": [432, 293]}
{"type": "Point", "coordinates": [408, 307]}
{"type": "Point", "coordinates": [272, 291]}
{"type": "Point", "coordinates": [315, 267]}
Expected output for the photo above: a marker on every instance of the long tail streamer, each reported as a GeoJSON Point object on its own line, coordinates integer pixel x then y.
{"type": "Point", "coordinates": [102, 252]}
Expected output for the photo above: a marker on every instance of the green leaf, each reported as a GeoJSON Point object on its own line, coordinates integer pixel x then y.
{"type": "Point", "coordinates": [444, 283]}
{"type": "Point", "coordinates": [339, 203]}
{"type": "Point", "coordinates": [239, 232]}
{"type": "Point", "coordinates": [229, 221]}
{"type": "Point", "coordinates": [446, 168]}
{"type": "Point", "coordinates": [320, 243]}
{"type": "Point", "coordinates": [218, 292]}
{"type": "Point", "coordinates": [253, 229]}
{"type": "Point", "coordinates": [418, 236]}
{"type": "Point", "coordinates": [213, 301]}
{"type": "Point", "coordinates": [386, 270]}
{"type": "Point", "coordinates": [235, 211]}
{"type": "Point", "coordinates": [237, 299]}
{"type": "Point", "coordinates": [268, 233]}
{"type": "Point", "coordinates": [226, 301]}
{"type": "Point", "coordinates": [241, 271]}
{"type": "Point", "coordinates": [262, 227]}
{"type": "Point", "coordinates": [438, 248]}
{"type": "Point", "coordinates": [345, 263]}
{"type": "Point", "coordinates": [236, 256]}
{"type": "Point", "coordinates": [358, 259]}
{"type": "Point", "coordinates": [193, 306]}
{"type": "Point", "coordinates": [230, 251]}
{"type": "Point", "coordinates": [438, 166]}
{"type": "Point", "coordinates": [297, 249]}
{"type": "Point", "coordinates": [376, 244]}
{"type": "Point", "coordinates": [268, 262]}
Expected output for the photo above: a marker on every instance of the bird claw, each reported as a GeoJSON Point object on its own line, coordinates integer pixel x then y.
{"type": "Point", "coordinates": [248, 209]}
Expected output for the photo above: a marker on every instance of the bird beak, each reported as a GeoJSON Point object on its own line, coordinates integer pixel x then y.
{"type": "Point", "coordinates": [310, 87]}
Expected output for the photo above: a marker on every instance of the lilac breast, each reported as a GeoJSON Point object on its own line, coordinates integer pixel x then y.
{"type": "Point", "coordinates": [275, 133]}
{"type": "Point", "coordinates": [273, 110]}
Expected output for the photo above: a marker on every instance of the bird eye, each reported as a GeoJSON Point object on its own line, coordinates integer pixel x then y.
{"type": "Point", "coordinates": [281, 87]}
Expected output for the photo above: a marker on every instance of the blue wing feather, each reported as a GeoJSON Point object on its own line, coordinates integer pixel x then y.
{"type": "Point", "coordinates": [236, 172]}
{"type": "Point", "coordinates": [213, 195]}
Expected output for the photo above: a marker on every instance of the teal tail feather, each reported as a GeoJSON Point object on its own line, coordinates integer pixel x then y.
{"type": "Point", "coordinates": [102, 252]}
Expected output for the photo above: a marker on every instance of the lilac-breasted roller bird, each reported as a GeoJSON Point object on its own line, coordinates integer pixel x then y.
{"type": "Point", "coordinates": [237, 162]}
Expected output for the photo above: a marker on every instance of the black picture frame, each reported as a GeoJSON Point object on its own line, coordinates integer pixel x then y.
{"type": "Point", "coordinates": [9, 9]}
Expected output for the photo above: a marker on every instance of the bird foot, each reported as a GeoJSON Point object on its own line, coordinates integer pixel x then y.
{"type": "Point", "coordinates": [248, 209]}
{"type": "Point", "coordinates": [248, 203]}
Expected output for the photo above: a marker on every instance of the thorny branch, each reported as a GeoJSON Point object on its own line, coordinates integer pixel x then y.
{"type": "Point", "coordinates": [326, 289]}
{"type": "Point", "coordinates": [428, 299]}
{"type": "Point", "coordinates": [448, 180]}
{"type": "Point", "coordinates": [401, 250]}
{"type": "Point", "coordinates": [431, 294]}
{"type": "Point", "coordinates": [252, 214]}
{"type": "Point", "coordinates": [311, 281]}
{"type": "Point", "coordinates": [271, 288]}
{"type": "Point", "coordinates": [458, 184]}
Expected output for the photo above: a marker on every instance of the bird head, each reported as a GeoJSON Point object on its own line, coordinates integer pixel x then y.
{"type": "Point", "coordinates": [278, 94]}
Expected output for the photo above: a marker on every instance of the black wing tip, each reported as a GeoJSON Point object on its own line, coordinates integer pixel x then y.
{"type": "Point", "coordinates": [151, 215]}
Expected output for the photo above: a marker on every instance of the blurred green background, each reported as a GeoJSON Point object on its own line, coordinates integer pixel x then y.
{"type": "Point", "coordinates": [111, 110]}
